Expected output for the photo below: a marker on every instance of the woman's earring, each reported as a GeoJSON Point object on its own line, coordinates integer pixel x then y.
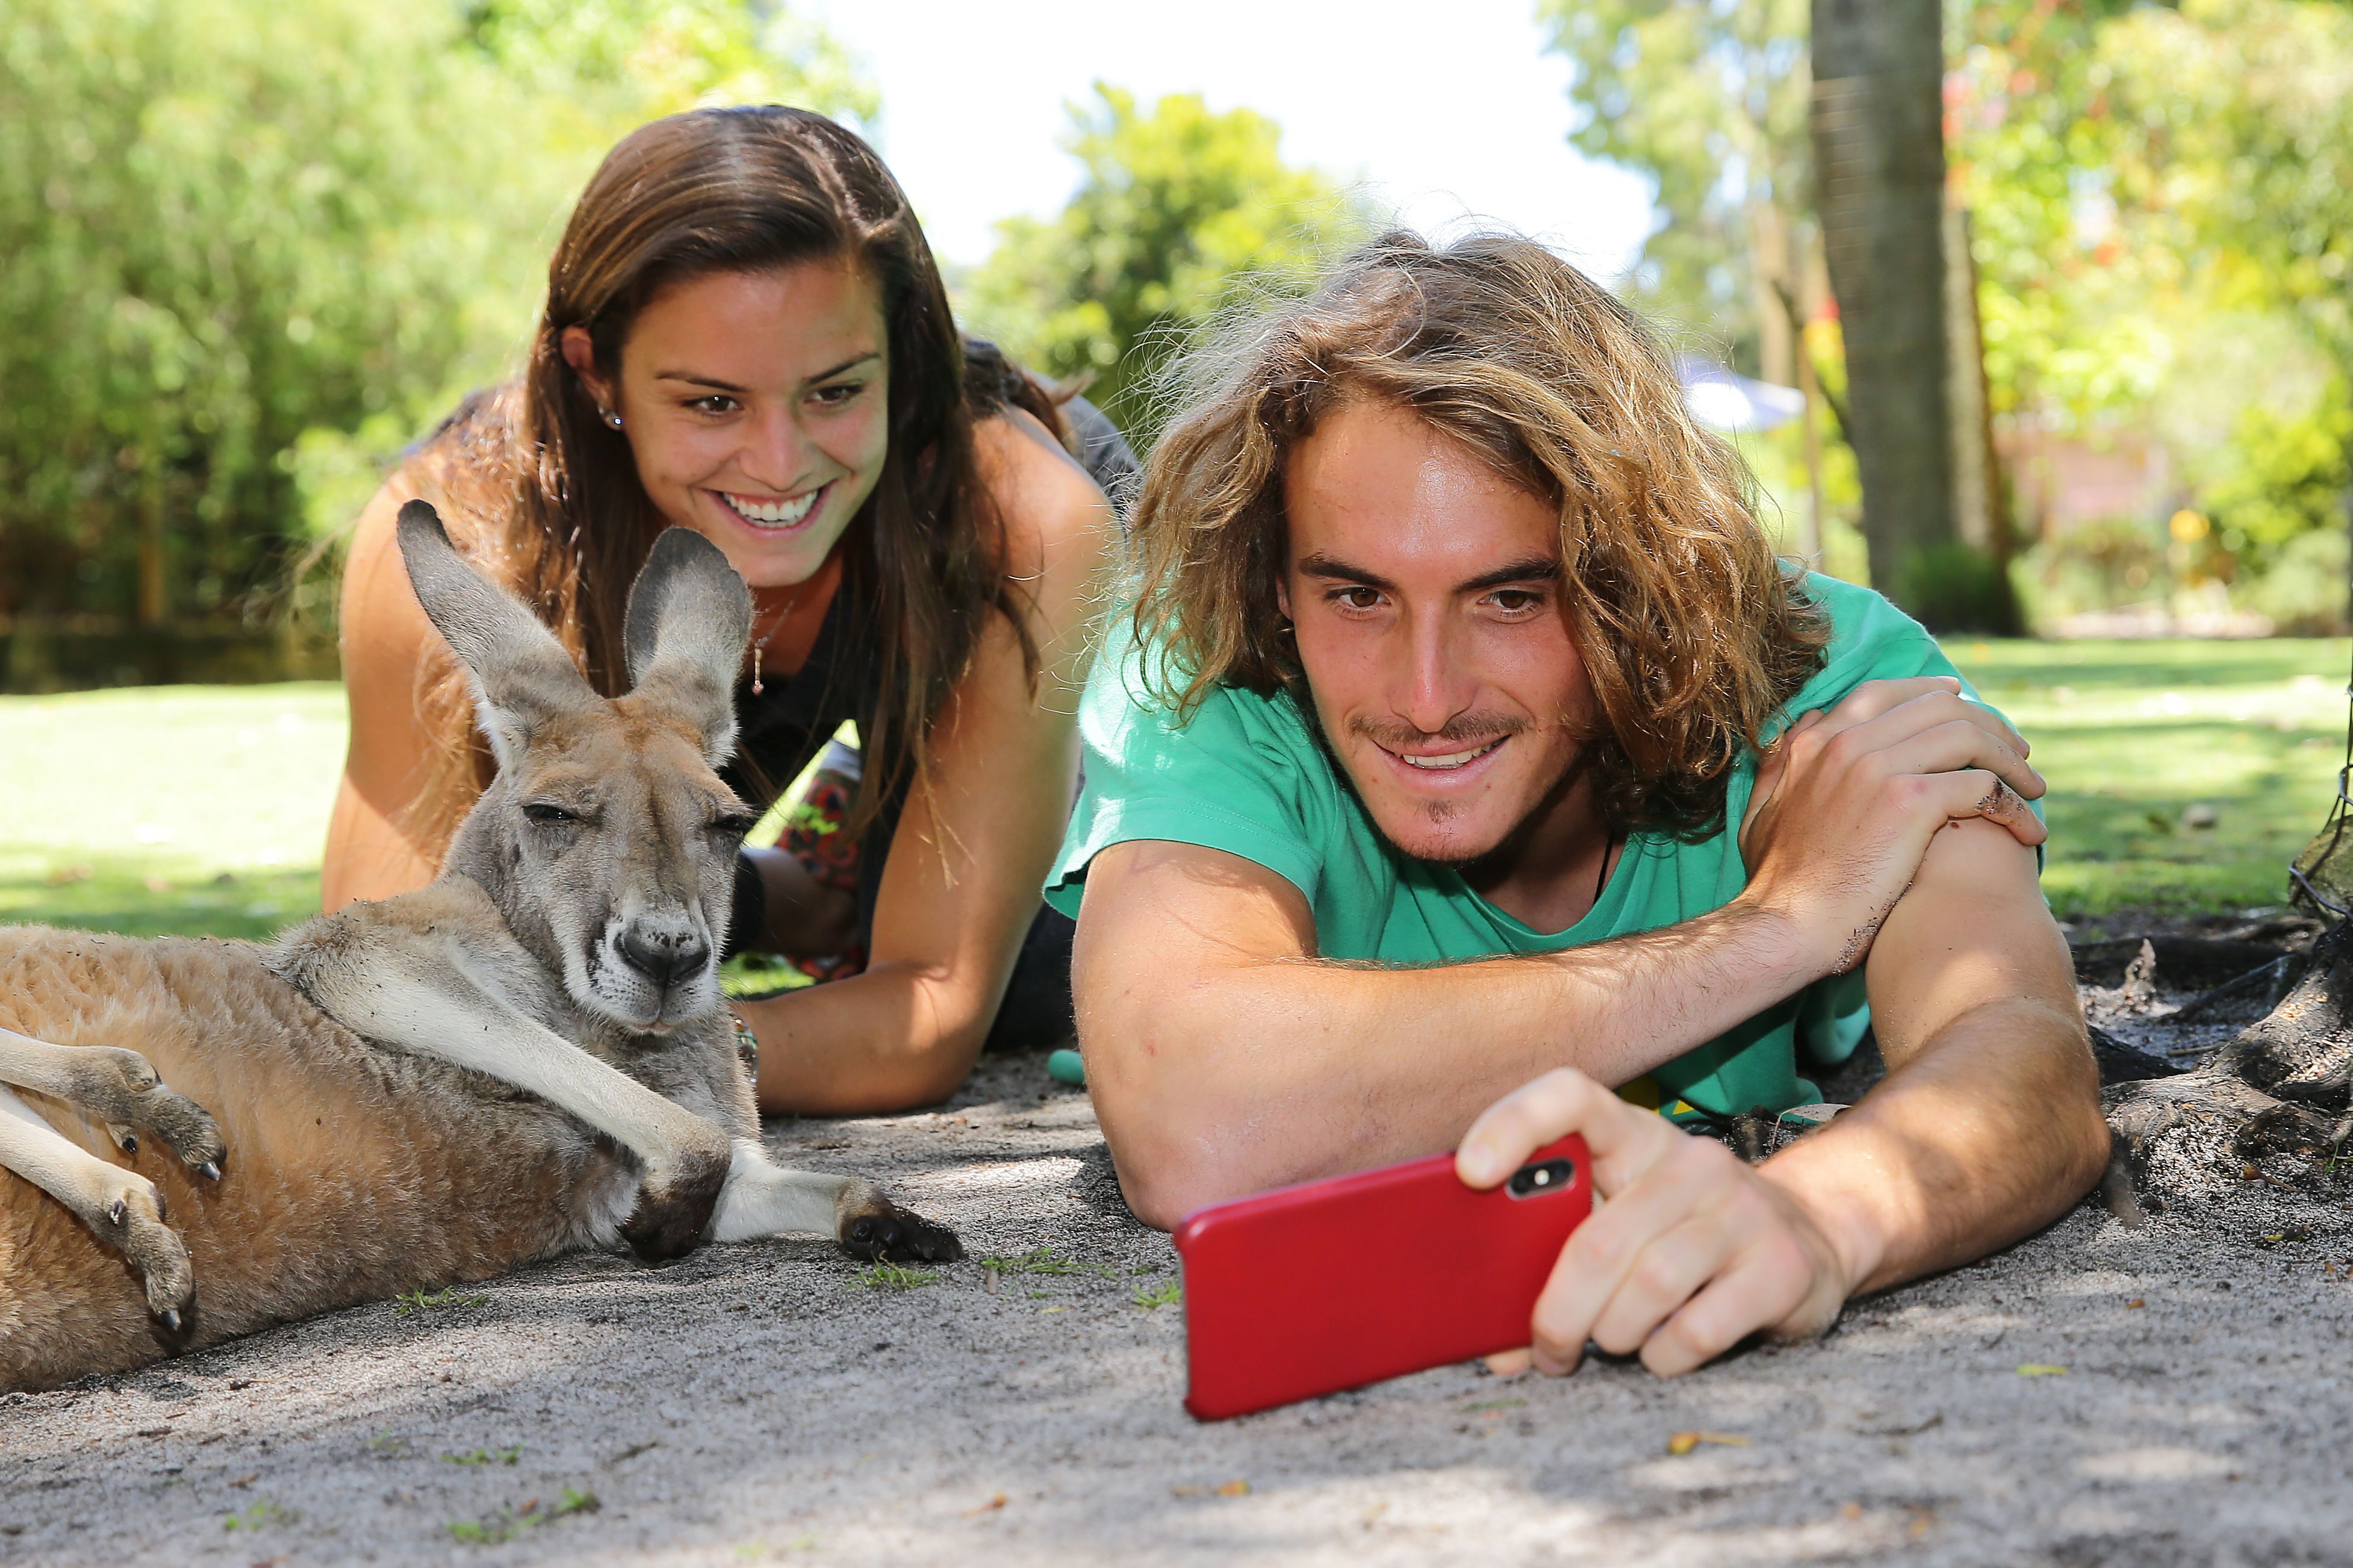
{"type": "Point", "coordinates": [609, 418]}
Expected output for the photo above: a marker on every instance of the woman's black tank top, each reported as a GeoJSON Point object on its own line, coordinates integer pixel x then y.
{"type": "Point", "coordinates": [781, 729]}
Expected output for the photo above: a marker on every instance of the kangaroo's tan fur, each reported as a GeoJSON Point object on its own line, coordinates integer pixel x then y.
{"type": "Point", "coordinates": [528, 1057]}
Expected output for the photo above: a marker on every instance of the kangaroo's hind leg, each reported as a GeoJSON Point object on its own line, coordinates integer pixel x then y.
{"type": "Point", "coordinates": [120, 1090]}
{"type": "Point", "coordinates": [123, 1208]}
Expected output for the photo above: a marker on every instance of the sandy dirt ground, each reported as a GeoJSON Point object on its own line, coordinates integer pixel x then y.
{"type": "Point", "coordinates": [2169, 1394]}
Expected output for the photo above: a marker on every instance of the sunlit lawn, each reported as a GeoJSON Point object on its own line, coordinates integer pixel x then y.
{"type": "Point", "coordinates": [2132, 734]}
{"type": "Point", "coordinates": [178, 808]}
{"type": "Point", "coordinates": [202, 809]}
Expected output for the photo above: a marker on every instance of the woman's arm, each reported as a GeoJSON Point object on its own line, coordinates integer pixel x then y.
{"type": "Point", "coordinates": [386, 642]}
{"type": "Point", "coordinates": [971, 850]}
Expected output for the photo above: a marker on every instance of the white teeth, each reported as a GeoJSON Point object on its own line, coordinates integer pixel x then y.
{"type": "Point", "coordinates": [1452, 760]}
{"type": "Point", "coordinates": [775, 513]}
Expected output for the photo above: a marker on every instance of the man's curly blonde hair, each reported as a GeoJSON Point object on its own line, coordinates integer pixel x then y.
{"type": "Point", "coordinates": [1693, 633]}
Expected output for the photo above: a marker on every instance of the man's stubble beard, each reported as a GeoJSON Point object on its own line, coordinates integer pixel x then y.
{"type": "Point", "coordinates": [1579, 761]}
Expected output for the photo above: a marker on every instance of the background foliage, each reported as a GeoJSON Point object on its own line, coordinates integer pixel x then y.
{"type": "Point", "coordinates": [1179, 214]}
{"type": "Point", "coordinates": [254, 249]}
{"type": "Point", "coordinates": [2162, 223]}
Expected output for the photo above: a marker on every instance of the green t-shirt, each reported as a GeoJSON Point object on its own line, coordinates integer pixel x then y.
{"type": "Point", "coordinates": [1244, 775]}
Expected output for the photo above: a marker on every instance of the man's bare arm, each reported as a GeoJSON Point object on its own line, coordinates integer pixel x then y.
{"type": "Point", "coordinates": [1986, 1126]}
{"type": "Point", "coordinates": [1225, 1057]}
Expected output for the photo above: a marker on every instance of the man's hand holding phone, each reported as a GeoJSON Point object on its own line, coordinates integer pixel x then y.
{"type": "Point", "coordinates": [1690, 1251]}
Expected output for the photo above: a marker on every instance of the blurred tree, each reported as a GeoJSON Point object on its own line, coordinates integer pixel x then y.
{"type": "Point", "coordinates": [2165, 229]}
{"type": "Point", "coordinates": [251, 244]}
{"type": "Point", "coordinates": [1878, 129]}
{"type": "Point", "coordinates": [1180, 214]}
{"type": "Point", "coordinates": [1710, 100]}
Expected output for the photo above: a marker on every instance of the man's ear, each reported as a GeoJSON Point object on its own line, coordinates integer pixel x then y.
{"type": "Point", "coordinates": [689, 617]}
{"type": "Point", "coordinates": [580, 353]}
{"type": "Point", "coordinates": [521, 674]}
{"type": "Point", "coordinates": [1283, 594]}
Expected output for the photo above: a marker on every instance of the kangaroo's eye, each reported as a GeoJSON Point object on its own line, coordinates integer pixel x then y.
{"type": "Point", "coordinates": [733, 824]}
{"type": "Point", "coordinates": [540, 811]}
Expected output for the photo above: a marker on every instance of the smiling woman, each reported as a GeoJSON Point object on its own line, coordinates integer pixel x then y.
{"type": "Point", "coordinates": [745, 336]}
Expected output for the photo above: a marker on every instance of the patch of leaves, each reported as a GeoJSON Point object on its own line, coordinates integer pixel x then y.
{"type": "Point", "coordinates": [894, 1276]}
{"type": "Point", "coordinates": [1168, 1295]}
{"type": "Point", "coordinates": [417, 1301]}
{"type": "Point", "coordinates": [509, 1522]}
{"type": "Point", "coordinates": [485, 1457]}
{"type": "Point", "coordinates": [263, 1512]}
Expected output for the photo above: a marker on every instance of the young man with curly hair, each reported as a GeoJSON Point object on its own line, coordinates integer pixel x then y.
{"type": "Point", "coordinates": [1467, 756]}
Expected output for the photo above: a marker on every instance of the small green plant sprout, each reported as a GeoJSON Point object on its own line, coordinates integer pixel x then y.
{"type": "Point", "coordinates": [894, 1276]}
{"type": "Point", "coordinates": [417, 1301]}
{"type": "Point", "coordinates": [1041, 1260]}
{"type": "Point", "coordinates": [386, 1445]}
{"type": "Point", "coordinates": [1168, 1295]}
{"type": "Point", "coordinates": [492, 1528]}
{"type": "Point", "coordinates": [485, 1457]}
{"type": "Point", "coordinates": [263, 1512]}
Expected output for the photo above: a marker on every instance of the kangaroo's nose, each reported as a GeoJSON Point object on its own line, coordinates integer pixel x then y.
{"type": "Point", "coordinates": [663, 952]}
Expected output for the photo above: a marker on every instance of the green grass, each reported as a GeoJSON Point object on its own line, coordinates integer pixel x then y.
{"type": "Point", "coordinates": [894, 1276]}
{"type": "Point", "coordinates": [2130, 735]}
{"type": "Point", "coordinates": [189, 809]}
{"type": "Point", "coordinates": [203, 810]}
{"type": "Point", "coordinates": [418, 1302]}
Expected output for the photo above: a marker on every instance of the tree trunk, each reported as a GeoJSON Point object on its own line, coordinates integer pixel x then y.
{"type": "Point", "coordinates": [1981, 495]}
{"type": "Point", "coordinates": [1879, 149]}
{"type": "Point", "coordinates": [154, 599]}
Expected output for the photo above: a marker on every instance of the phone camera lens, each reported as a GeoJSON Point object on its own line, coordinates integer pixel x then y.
{"type": "Point", "coordinates": [1529, 1181]}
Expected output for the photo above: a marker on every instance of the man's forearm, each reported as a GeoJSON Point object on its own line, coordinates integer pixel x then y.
{"type": "Point", "coordinates": [1988, 1125]}
{"type": "Point", "coordinates": [1273, 1070]}
{"type": "Point", "coordinates": [1992, 1132]}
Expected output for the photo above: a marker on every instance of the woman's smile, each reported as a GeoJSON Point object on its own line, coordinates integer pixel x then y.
{"type": "Point", "coordinates": [765, 514]}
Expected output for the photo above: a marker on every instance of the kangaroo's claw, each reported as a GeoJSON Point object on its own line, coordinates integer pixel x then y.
{"type": "Point", "coordinates": [878, 1228]}
{"type": "Point", "coordinates": [133, 1224]}
{"type": "Point", "coordinates": [123, 1090]}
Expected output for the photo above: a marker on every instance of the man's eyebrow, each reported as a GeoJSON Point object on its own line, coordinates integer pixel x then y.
{"type": "Point", "coordinates": [692, 379]}
{"type": "Point", "coordinates": [1533, 569]}
{"type": "Point", "coordinates": [1315, 564]}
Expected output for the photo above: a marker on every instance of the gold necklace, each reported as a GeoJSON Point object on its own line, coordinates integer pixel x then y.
{"type": "Point", "coordinates": [760, 647]}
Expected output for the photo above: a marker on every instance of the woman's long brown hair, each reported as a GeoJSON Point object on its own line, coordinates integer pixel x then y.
{"type": "Point", "coordinates": [1691, 631]}
{"type": "Point", "coordinates": [544, 496]}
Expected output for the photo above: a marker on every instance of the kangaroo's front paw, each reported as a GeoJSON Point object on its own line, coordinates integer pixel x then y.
{"type": "Point", "coordinates": [123, 1091]}
{"type": "Point", "coordinates": [870, 1225]}
{"type": "Point", "coordinates": [130, 1219]}
{"type": "Point", "coordinates": [675, 1204]}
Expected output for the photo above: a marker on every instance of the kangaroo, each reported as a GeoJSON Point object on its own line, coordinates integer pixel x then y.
{"type": "Point", "coordinates": [528, 1057]}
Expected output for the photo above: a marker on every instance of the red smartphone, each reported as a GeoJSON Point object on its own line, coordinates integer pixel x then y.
{"type": "Point", "coordinates": [1334, 1284]}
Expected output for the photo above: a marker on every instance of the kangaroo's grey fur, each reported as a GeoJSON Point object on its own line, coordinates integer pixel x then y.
{"type": "Point", "coordinates": [528, 1056]}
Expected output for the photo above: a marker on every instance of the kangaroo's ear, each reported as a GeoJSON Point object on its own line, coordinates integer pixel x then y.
{"type": "Point", "coordinates": [521, 674]}
{"type": "Point", "coordinates": [690, 616]}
